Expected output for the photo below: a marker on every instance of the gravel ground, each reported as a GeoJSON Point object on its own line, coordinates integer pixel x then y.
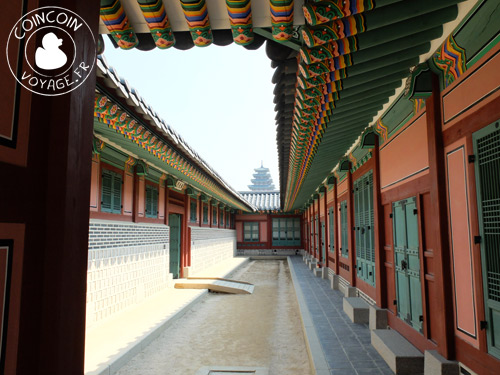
{"type": "Point", "coordinates": [262, 330]}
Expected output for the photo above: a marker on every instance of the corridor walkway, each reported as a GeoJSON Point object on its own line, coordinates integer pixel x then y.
{"type": "Point", "coordinates": [346, 346]}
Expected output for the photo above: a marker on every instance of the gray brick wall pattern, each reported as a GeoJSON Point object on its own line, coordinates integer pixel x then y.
{"type": "Point", "coordinates": [127, 262]}
{"type": "Point", "coordinates": [200, 233]}
{"type": "Point", "coordinates": [210, 246]}
{"type": "Point", "coordinates": [106, 235]}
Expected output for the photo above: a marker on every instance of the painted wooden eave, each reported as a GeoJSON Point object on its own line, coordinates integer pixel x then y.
{"type": "Point", "coordinates": [118, 89]}
{"type": "Point", "coordinates": [311, 143]}
{"type": "Point", "coordinates": [182, 24]}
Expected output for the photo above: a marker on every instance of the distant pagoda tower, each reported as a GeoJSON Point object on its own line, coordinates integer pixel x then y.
{"type": "Point", "coordinates": [261, 180]}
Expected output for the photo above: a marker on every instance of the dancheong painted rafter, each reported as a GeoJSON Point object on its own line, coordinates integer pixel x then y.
{"type": "Point", "coordinates": [339, 64]}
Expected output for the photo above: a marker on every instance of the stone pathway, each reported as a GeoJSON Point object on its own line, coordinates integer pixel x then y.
{"type": "Point", "coordinates": [346, 346]}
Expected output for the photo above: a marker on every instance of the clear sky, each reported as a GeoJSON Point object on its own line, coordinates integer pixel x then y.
{"type": "Point", "coordinates": [219, 99]}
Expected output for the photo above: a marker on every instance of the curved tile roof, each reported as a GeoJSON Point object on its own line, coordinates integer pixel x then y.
{"type": "Point", "coordinates": [263, 200]}
{"type": "Point", "coordinates": [121, 88]}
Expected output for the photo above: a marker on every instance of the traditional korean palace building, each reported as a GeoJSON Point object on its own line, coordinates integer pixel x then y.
{"type": "Point", "coordinates": [388, 138]}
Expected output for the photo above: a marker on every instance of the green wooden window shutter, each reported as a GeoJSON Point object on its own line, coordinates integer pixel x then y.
{"type": "Point", "coordinates": [364, 227]}
{"type": "Point", "coordinates": [251, 231]}
{"type": "Point", "coordinates": [214, 216]}
{"type": "Point", "coordinates": [487, 169]}
{"type": "Point", "coordinates": [111, 192]}
{"type": "Point", "coordinates": [221, 217]}
{"type": "Point", "coordinates": [331, 232]}
{"type": "Point", "coordinates": [193, 208]}
{"type": "Point", "coordinates": [151, 201]}
{"type": "Point", "coordinates": [344, 230]}
{"type": "Point", "coordinates": [407, 261]}
{"type": "Point", "coordinates": [205, 214]}
{"type": "Point", "coordinates": [286, 231]}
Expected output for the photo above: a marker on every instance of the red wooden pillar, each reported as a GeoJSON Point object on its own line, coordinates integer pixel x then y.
{"type": "Point", "coordinates": [311, 230]}
{"type": "Point", "coordinates": [313, 226]}
{"type": "Point", "coordinates": [210, 213]}
{"type": "Point", "coordinates": [380, 279]}
{"type": "Point", "coordinates": [53, 148]}
{"type": "Point", "coordinates": [200, 210]}
{"type": "Point", "coordinates": [335, 227]}
{"type": "Point", "coordinates": [269, 244]}
{"type": "Point", "coordinates": [350, 232]}
{"type": "Point", "coordinates": [327, 230]}
{"type": "Point", "coordinates": [318, 248]}
{"type": "Point", "coordinates": [442, 274]}
{"type": "Point", "coordinates": [185, 236]}
{"type": "Point", "coordinates": [305, 230]}
{"type": "Point", "coordinates": [167, 197]}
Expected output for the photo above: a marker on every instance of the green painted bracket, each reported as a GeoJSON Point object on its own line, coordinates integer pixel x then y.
{"type": "Point", "coordinates": [344, 165]}
{"type": "Point", "coordinates": [331, 180]}
{"type": "Point", "coordinates": [170, 182]}
{"type": "Point", "coordinates": [368, 139]}
{"type": "Point", "coordinates": [268, 35]}
{"type": "Point", "coordinates": [141, 169]}
{"type": "Point", "coordinates": [191, 192]}
{"type": "Point", "coordinates": [419, 84]}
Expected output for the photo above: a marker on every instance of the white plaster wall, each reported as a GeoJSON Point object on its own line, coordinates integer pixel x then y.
{"type": "Point", "coordinates": [210, 246]}
{"type": "Point", "coordinates": [127, 262]}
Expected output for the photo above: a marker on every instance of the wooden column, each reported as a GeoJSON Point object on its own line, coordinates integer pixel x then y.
{"type": "Point", "coordinates": [378, 214]}
{"type": "Point", "coordinates": [335, 227]}
{"type": "Point", "coordinates": [350, 232]}
{"type": "Point", "coordinates": [327, 229]}
{"type": "Point", "coordinates": [167, 204]}
{"type": "Point", "coordinates": [320, 253]}
{"type": "Point", "coordinates": [185, 235]}
{"type": "Point", "coordinates": [46, 193]}
{"type": "Point", "coordinates": [200, 210]}
{"type": "Point", "coordinates": [442, 274]}
{"type": "Point", "coordinates": [210, 213]}
{"type": "Point", "coordinates": [313, 226]}
{"type": "Point", "coordinates": [307, 235]}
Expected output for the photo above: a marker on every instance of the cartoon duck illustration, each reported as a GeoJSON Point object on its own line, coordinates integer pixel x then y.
{"type": "Point", "coordinates": [49, 56]}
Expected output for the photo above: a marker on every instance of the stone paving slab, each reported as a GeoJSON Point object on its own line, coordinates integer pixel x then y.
{"type": "Point", "coordinates": [345, 346]}
{"type": "Point", "coordinates": [112, 343]}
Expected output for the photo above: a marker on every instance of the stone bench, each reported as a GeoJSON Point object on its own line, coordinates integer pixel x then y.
{"type": "Point", "coordinates": [356, 309]}
{"type": "Point", "coordinates": [312, 264]}
{"type": "Point", "coordinates": [435, 364]}
{"type": "Point", "coordinates": [317, 271]}
{"type": "Point", "coordinates": [401, 356]}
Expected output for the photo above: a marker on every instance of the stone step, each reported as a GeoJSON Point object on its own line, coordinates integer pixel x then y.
{"type": "Point", "coordinates": [436, 364]}
{"type": "Point", "coordinates": [401, 356]}
{"type": "Point", "coordinates": [356, 309]}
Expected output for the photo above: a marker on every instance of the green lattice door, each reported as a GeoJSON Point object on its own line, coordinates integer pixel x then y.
{"type": "Point", "coordinates": [364, 227]}
{"type": "Point", "coordinates": [331, 223]}
{"type": "Point", "coordinates": [286, 232]}
{"type": "Point", "coordinates": [407, 262]}
{"type": "Point", "coordinates": [174, 221]}
{"type": "Point", "coordinates": [344, 244]}
{"type": "Point", "coordinates": [323, 244]}
{"type": "Point", "coordinates": [316, 235]}
{"type": "Point", "coordinates": [487, 165]}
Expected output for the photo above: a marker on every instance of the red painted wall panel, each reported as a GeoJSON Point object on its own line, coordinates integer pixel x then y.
{"type": "Point", "coordinates": [94, 185]}
{"type": "Point", "coordinates": [263, 231]}
{"type": "Point", "coordinates": [403, 156]}
{"type": "Point", "coordinates": [128, 194]}
{"type": "Point", "coordinates": [461, 241]}
{"type": "Point", "coordinates": [471, 88]}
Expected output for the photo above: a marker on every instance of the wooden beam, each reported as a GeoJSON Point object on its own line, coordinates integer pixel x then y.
{"type": "Point", "coordinates": [444, 289]}
{"type": "Point", "coordinates": [378, 214]}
